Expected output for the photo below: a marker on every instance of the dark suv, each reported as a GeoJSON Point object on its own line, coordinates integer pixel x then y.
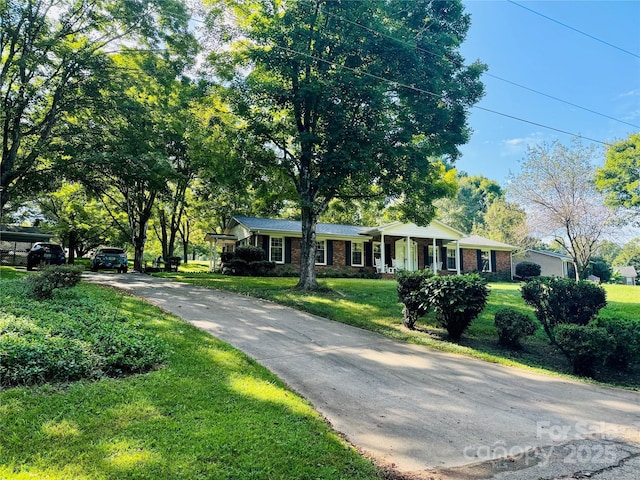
{"type": "Point", "coordinates": [45, 254]}
{"type": "Point", "coordinates": [110, 258]}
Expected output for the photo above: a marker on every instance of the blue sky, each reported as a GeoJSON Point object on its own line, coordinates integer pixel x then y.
{"type": "Point", "coordinates": [527, 49]}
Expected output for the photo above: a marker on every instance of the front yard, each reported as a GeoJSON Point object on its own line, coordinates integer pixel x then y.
{"type": "Point", "coordinates": [208, 411]}
{"type": "Point", "coordinates": [373, 305]}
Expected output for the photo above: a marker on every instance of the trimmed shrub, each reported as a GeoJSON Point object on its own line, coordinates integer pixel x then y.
{"type": "Point", "coordinates": [512, 325]}
{"type": "Point", "coordinates": [54, 277]}
{"type": "Point", "coordinates": [528, 270]}
{"type": "Point", "coordinates": [250, 254]}
{"type": "Point", "coordinates": [562, 300]}
{"type": "Point", "coordinates": [412, 295]}
{"type": "Point", "coordinates": [626, 336]}
{"type": "Point", "coordinates": [586, 348]}
{"type": "Point", "coordinates": [457, 300]}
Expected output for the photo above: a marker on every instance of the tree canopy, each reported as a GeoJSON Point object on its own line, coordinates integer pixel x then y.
{"type": "Point", "coordinates": [54, 60]}
{"type": "Point", "coordinates": [556, 188]}
{"type": "Point", "coordinates": [619, 178]}
{"type": "Point", "coordinates": [356, 99]}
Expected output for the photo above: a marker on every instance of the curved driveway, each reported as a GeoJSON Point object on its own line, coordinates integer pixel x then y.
{"type": "Point", "coordinates": [433, 414]}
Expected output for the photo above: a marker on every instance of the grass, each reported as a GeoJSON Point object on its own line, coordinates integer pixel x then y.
{"type": "Point", "coordinates": [373, 305]}
{"type": "Point", "coordinates": [208, 412]}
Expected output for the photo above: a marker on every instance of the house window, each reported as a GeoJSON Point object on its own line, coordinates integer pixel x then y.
{"type": "Point", "coordinates": [485, 256]}
{"type": "Point", "coordinates": [321, 252]}
{"type": "Point", "coordinates": [451, 259]}
{"type": "Point", "coordinates": [357, 254]}
{"type": "Point", "coordinates": [276, 250]}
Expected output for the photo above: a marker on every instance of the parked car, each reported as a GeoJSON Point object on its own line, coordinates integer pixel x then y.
{"type": "Point", "coordinates": [107, 258]}
{"type": "Point", "coordinates": [42, 253]}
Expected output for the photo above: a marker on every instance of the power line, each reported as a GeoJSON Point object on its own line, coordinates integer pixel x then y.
{"type": "Point", "coordinates": [375, 32]}
{"type": "Point", "coordinates": [423, 91]}
{"type": "Point", "coordinates": [574, 29]}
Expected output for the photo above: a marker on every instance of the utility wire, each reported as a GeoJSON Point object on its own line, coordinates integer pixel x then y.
{"type": "Point", "coordinates": [426, 92]}
{"type": "Point", "coordinates": [575, 29]}
{"type": "Point", "coordinates": [524, 87]}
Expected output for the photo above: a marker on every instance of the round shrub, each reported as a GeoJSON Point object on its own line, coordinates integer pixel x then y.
{"type": "Point", "coordinates": [512, 325]}
{"type": "Point", "coordinates": [528, 270]}
{"type": "Point", "coordinates": [411, 294]}
{"type": "Point", "coordinates": [626, 336]}
{"type": "Point", "coordinates": [42, 284]}
{"type": "Point", "coordinates": [457, 300]}
{"type": "Point", "coordinates": [250, 254]}
{"type": "Point", "coordinates": [586, 348]}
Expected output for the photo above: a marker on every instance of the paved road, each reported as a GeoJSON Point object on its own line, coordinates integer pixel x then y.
{"type": "Point", "coordinates": [431, 414]}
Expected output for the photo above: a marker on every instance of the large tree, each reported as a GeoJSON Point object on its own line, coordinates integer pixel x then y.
{"type": "Point", "coordinates": [357, 99]}
{"type": "Point", "coordinates": [467, 209]}
{"type": "Point", "coordinates": [619, 178]}
{"type": "Point", "coordinates": [53, 60]}
{"type": "Point", "coordinates": [555, 186]}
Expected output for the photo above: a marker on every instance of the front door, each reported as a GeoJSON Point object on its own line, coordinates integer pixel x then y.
{"type": "Point", "coordinates": [403, 262]}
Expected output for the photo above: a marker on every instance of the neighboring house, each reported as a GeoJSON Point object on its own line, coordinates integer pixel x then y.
{"type": "Point", "coordinates": [552, 264]}
{"type": "Point", "coordinates": [628, 274]}
{"type": "Point", "coordinates": [15, 243]}
{"type": "Point", "coordinates": [387, 248]}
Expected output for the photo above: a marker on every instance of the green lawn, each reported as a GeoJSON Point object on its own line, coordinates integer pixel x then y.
{"type": "Point", "coordinates": [208, 412]}
{"type": "Point", "coordinates": [373, 305]}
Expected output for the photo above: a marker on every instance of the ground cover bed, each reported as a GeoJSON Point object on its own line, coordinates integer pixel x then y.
{"type": "Point", "coordinates": [205, 411]}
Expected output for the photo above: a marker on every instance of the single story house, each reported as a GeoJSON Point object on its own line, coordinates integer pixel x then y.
{"type": "Point", "coordinates": [385, 249]}
{"type": "Point", "coordinates": [552, 264]}
{"type": "Point", "coordinates": [627, 273]}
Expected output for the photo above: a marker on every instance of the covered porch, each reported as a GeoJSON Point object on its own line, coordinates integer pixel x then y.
{"type": "Point", "coordinates": [407, 246]}
{"type": "Point", "coordinates": [217, 240]}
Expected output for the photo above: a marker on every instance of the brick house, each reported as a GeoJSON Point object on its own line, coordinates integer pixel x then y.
{"type": "Point", "coordinates": [385, 249]}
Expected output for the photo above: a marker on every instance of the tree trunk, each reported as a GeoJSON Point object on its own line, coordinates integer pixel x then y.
{"type": "Point", "coordinates": [308, 250]}
{"type": "Point", "coordinates": [73, 240]}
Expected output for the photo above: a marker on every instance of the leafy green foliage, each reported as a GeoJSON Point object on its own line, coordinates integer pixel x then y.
{"type": "Point", "coordinates": [41, 285]}
{"type": "Point", "coordinates": [67, 337]}
{"type": "Point", "coordinates": [248, 260]}
{"type": "Point", "coordinates": [586, 347]}
{"type": "Point", "coordinates": [512, 325]}
{"type": "Point", "coordinates": [618, 178]}
{"type": "Point", "coordinates": [561, 300]}
{"type": "Point", "coordinates": [528, 270]}
{"type": "Point", "coordinates": [316, 99]}
{"type": "Point", "coordinates": [411, 294]}
{"type": "Point", "coordinates": [457, 300]}
{"type": "Point", "coordinates": [626, 338]}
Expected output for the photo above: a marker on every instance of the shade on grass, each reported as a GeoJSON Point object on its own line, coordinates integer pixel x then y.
{"type": "Point", "coordinates": [209, 412]}
{"type": "Point", "coordinates": [373, 305]}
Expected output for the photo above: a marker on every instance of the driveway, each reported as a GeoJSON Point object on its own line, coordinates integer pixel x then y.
{"type": "Point", "coordinates": [428, 414]}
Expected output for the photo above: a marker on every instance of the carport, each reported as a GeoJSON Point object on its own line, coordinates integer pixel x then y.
{"type": "Point", "coordinates": [15, 243]}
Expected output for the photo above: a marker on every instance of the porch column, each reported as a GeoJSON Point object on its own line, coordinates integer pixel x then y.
{"type": "Point", "coordinates": [408, 259]}
{"type": "Point", "coordinates": [458, 257]}
{"type": "Point", "coordinates": [435, 257]}
{"type": "Point", "coordinates": [210, 256]}
{"type": "Point", "coordinates": [382, 255]}
{"type": "Point", "coordinates": [215, 255]}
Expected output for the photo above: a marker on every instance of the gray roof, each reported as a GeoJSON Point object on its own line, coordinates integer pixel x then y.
{"type": "Point", "coordinates": [295, 226]}
{"type": "Point", "coordinates": [14, 233]}
{"type": "Point", "coordinates": [478, 241]}
{"type": "Point", "coordinates": [561, 256]}
{"type": "Point", "coordinates": [628, 271]}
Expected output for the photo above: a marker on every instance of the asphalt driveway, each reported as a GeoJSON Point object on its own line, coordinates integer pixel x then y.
{"type": "Point", "coordinates": [430, 414]}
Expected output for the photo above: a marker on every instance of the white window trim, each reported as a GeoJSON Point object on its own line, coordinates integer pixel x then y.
{"type": "Point", "coordinates": [489, 261]}
{"type": "Point", "coordinates": [455, 258]}
{"type": "Point", "coordinates": [324, 262]}
{"type": "Point", "coordinates": [271, 238]}
{"type": "Point", "coordinates": [361, 264]}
